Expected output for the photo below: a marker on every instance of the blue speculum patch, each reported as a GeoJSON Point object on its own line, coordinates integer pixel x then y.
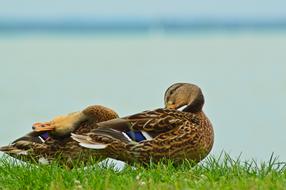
{"type": "Point", "coordinates": [136, 135]}
{"type": "Point", "coordinates": [44, 136]}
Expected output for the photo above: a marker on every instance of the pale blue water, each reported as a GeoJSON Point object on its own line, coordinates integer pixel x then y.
{"type": "Point", "coordinates": [242, 76]}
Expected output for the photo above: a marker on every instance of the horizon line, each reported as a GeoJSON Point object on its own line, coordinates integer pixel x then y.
{"type": "Point", "coordinates": [69, 25]}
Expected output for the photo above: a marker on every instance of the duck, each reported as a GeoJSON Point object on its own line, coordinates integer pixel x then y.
{"type": "Point", "coordinates": [52, 140]}
{"type": "Point", "coordinates": [179, 132]}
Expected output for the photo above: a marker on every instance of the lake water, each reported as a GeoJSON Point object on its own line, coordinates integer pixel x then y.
{"type": "Point", "coordinates": [243, 77]}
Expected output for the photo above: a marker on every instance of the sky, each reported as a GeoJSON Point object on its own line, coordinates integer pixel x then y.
{"type": "Point", "coordinates": [54, 10]}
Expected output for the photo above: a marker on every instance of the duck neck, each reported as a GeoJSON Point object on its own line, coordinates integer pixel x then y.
{"type": "Point", "coordinates": [66, 132]}
{"type": "Point", "coordinates": [196, 105]}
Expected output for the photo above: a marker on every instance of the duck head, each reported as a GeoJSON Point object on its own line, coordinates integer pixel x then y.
{"type": "Point", "coordinates": [184, 94]}
{"type": "Point", "coordinates": [64, 125]}
{"type": "Point", "coordinates": [61, 125]}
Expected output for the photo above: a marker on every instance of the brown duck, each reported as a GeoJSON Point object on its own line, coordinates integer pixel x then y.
{"type": "Point", "coordinates": [164, 133]}
{"type": "Point", "coordinates": [51, 140]}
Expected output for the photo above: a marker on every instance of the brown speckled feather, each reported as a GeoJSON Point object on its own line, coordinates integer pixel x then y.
{"type": "Point", "coordinates": [191, 139]}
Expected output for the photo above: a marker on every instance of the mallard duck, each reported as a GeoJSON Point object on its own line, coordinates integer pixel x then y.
{"type": "Point", "coordinates": [51, 140]}
{"type": "Point", "coordinates": [161, 134]}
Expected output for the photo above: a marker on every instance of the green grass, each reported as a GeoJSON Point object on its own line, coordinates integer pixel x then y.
{"type": "Point", "coordinates": [214, 173]}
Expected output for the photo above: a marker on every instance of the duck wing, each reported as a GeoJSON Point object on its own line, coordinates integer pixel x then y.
{"type": "Point", "coordinates": [135, 128]}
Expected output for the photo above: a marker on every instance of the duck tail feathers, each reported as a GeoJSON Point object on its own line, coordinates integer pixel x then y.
{"type": "Point", "coordinates": [13, 150]}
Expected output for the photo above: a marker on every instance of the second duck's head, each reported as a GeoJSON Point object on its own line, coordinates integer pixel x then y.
{"type": "Point", "coordinates": [59, 126]}
{"type": "Point", "coordinates": [184, 94]}
{"type": "Point", "coordinates": [64, 125]}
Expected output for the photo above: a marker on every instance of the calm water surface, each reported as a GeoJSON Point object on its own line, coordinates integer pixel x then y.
{"type": "Point", "coordinates": [243, 76]}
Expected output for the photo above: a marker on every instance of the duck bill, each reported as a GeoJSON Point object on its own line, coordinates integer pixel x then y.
{"type": "Point", "coordinates": [38, 127]}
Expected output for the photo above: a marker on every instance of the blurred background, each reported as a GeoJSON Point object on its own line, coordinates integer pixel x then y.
{"type": "Point", "coordinates": [60, 56]}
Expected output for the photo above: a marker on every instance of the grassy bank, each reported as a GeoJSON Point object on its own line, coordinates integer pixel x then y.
{"type": "Point", "coordinates": [214, 173]}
